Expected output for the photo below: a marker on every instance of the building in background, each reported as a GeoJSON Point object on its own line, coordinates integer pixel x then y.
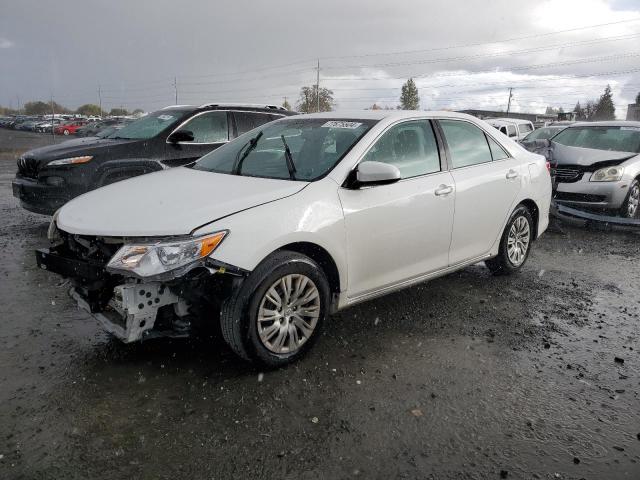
{"type": "Point", "coordinates": [633, 111]}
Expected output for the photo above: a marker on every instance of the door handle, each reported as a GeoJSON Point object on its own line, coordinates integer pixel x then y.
{"type": "Point", "coordinates": [443, 190]}
{"type": "Point", "coordinates": [512, 174]}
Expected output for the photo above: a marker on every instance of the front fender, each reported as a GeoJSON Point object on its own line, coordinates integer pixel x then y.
{"type": "Point", "coordinates": [313, 215]}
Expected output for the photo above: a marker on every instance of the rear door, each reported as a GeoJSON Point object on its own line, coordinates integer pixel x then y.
{"type": "Point", "coordinates": [399, 231]}
{"type": "Point", "coordinates": [487, 180]}
{"type": "Point", "coordinates": [210, 130]}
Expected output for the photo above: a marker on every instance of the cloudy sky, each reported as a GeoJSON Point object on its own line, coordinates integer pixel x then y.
{"type": "Point", "coordinates": [463, 54]}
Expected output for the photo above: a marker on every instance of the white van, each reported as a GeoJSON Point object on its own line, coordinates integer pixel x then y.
{"type": "Point", "coordinates": [513, 128]}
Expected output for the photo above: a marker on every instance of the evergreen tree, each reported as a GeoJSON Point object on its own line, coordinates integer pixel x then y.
{"type": "Point", "coordinates": [638, 99]}
{"type": "Point", "coordinates": [286, 104]}
{"type": "Point", "coordinates": [605, 110]}
{"type": "Point", "coordinates": [409, 99]}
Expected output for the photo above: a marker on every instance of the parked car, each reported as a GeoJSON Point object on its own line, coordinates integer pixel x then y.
{"type": "Point", "coordinates": [26, 123]}
{"type": "Point", "coordinates": [91, 129]}
{"type": "Point", "coordinates": [514, 128]}
{"type": "Point", "coordinates": [298, 218]}
{"type": "Point", "coordinates": [69, 127]}
{"type": "Point", "coordinates": [50, 176]}
{"type": "Point", "coordinates": [597, 166]}
{"type": "Point", "coordinates": [47, 125]}
{"type": "Point", "coordinates": [531, 141]}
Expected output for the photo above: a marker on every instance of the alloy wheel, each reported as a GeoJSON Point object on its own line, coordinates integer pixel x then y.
{"type": "Point", "coordinates": [288, 313]}
{"type": "Point", "coordinates": [634, 200]}
{"type": "Point", "coordinates": [518, 241]}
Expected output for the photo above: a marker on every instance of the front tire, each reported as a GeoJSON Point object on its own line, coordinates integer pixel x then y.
{"type": "Point", "coordinates": [631, 206]}
{"type": "Point", "coordinates": [278, 312]}
{"type": "Point", "coordinates": [515, 243]}
{"type": "Point", "coordinates": [65, 132]}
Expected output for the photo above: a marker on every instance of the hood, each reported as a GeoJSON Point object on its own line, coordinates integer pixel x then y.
{"type": "Point", "coordinates": [78, 147]}
{"type": "Point", "coordinates": [171, 202]}
{"type": "Point", "coordinates": [563, 155]}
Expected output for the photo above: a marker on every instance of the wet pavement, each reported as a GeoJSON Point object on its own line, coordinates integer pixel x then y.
{"type": "Point", "coordinates": [469, 376]}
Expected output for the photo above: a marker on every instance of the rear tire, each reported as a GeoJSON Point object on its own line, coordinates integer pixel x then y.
{"type": "Point", "coordinates": [631, 206]}
{"type": "Point", "coordinates": [515, 243]}
{"type": "Point", "coordinates": [65, 132]}
{"type": "Point", "coordinates": [263, 323]}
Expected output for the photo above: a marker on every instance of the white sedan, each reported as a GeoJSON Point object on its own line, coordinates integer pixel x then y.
{"type": "Point", "coordinates": [296, 219]}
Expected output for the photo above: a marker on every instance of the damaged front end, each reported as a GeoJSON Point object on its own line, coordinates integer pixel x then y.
{"type": "Point", "coordinates": [142, 288]}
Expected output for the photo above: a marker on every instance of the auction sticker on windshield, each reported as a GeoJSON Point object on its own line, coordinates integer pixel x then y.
{"type": "Point", "coordinates": [337, 124]}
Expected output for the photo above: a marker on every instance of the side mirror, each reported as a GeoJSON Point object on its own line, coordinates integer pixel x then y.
{"type": "Point", "coordinates": [376, 173]}
{"type": "Point", "coordinates": [181, 136]}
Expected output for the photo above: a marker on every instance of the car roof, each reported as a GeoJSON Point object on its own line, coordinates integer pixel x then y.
{"type": "Point", "coordinates": [609, 123]}
{"type": "Point", "coordinates": [507, 120]}
{"type": "Point", "coordinates": [253, 107]}
{"type": "Point", "coordinates": [385, 114]}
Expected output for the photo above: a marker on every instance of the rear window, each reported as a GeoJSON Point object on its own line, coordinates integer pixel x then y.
{"type": "Point", "coordinates": [620, 139]}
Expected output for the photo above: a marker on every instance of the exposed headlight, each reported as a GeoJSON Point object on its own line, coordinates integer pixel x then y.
{"type": "Point", "coordinates": [149, 260]}
{"type": "Point", "coordinates": [607, 174]}
{"type": "Point", "coordinates": [71, 161]}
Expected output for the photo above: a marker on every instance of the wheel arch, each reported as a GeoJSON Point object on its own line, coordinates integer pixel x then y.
{"type": "Point", "coordinates": [534, 210]}
{"type": "Point", "coordinates": [322, 257]}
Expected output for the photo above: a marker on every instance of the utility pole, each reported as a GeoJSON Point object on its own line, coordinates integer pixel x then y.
{"type": "Point", "coordinates": [53, 114]}
{"type": "Point", "coordinates": [509, 103]}
{"type": "Point", "coordinates": [100, 100]}
{"type": "Point", "coordinates": [318, 87]}
{"type": "Point", "coordinates": [175, 86]}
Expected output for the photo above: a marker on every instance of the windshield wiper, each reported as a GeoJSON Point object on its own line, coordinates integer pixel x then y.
{"type": "Point", "coordinates": [237, 165]}
{"type": "Point", "coordinates": [289, 158]}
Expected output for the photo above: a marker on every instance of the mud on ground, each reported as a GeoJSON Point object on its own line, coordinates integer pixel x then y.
{"type": "Point", "coordinates": [469, 376]}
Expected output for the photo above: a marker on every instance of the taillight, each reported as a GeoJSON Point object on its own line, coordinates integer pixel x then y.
{"type": "Point", "coordinates": [549, 167]}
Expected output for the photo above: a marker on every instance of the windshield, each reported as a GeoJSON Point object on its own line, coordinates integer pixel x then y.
{"type": "Point", "coordinates": [315, 145]}
{"type": "Point", "coordinates": [543, 133]}
{"type": "Point", "coordinates": [149, 126]}
{"type": "Point", "coordinates": [620, 139]}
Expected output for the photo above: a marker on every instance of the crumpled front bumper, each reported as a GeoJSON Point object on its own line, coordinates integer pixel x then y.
{"type": "Point", "coordinates": [132, 308]}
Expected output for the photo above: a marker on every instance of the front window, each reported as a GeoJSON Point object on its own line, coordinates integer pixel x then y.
{"type": "Point", "coordinates": [315, 146]}
{"type": "Point", "coordinates": [150, 125]}
{"type": "Point", "coordinates": [410, 146]}
{"type": "Point", "coordinates": [619, 139]}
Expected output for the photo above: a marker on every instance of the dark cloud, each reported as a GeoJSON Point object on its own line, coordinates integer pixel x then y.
{"type": "Point", "coordinates": [262, 51]}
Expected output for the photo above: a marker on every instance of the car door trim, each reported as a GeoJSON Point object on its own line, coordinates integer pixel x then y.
{"type": "Point", "coordinates": [413, 281]}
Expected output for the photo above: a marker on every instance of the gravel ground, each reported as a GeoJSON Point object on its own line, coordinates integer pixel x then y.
{"type": "Point", "coordinates": [469, 376]}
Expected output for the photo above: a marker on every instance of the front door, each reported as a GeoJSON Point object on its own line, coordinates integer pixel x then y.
{"type": "Point", "coordinates": [399, 231]}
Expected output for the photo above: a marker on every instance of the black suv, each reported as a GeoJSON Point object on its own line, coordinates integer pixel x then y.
{"type": "Point", "coordinates": [175, 136]}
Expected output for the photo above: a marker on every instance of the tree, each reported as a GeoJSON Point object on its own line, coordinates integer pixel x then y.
{"type": "Point", "coordinates": [308, 101]}
{"type": "Point", "coordinates": [43, 108]}
{"type": "Point", "coordinates": [375, 106]}
{"type": "Point", "coordinates": [579, 111]}
{"type": "Point", "coordinates": [409, 99]}
{"type": "Point", "coordinates": [286, 105]}
{"type": "Point", "coordinates": [118, 112]}
{"type": "Point", "coordinates": [89, 109]}
{"type": "Point", "coordinates": [605, 109]}
{"type": "Point", "coordinates": [638, 99]}
{"type": "Point", "coordinates": [589, 110]}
